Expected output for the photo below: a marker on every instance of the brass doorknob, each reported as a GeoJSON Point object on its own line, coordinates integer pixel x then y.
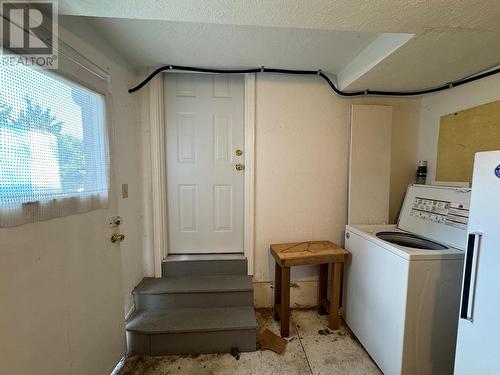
{"type": "Point", "coordinates": [117, 237]}
{"type": "Point", "coordinates": [239, 167]}
{"type": "Point", "coordinates": [238, 152]}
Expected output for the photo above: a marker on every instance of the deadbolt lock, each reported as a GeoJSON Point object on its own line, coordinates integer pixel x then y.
{"type": "Point", "coordinates": [117, 237]}
{"type": "Point", "coordinates": [238, 152]}
{"type": "Point", "coordinates": [239, 167]}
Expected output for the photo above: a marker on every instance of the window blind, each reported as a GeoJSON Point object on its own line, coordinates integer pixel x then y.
{"type": "Point", "coordinates": [53, 147]}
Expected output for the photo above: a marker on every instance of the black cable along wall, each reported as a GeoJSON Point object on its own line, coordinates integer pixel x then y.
{"type": "Point", "coordinates": [319, 73]}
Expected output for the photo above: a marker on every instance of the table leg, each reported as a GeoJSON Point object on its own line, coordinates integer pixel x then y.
{"type": "Point", "coordinates": [335, 296]}
{"type": "Point", "coordinates": [277, 291]}
{"type": "Point", "coordinates": [323, 288]}
{"type": "Point", "coordinates": [285, 302]}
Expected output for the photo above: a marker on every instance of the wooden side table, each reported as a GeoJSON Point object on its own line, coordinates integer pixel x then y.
{"type": "Point", "coordinates": [307, 253]}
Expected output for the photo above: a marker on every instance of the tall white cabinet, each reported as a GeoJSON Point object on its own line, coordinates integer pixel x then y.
{"type": "Point", "coordinates": [370, 164]}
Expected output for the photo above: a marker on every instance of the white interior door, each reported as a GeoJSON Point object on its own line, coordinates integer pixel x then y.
{"type": "Point", "coordinates": [204, 130]}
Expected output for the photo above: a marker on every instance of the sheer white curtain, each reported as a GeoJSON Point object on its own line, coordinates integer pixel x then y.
{"type": "Point", "coordinates": [54, 158]}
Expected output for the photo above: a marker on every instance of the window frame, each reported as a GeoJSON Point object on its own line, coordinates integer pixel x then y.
{"type": "Point", "coordinates": [75, 70]}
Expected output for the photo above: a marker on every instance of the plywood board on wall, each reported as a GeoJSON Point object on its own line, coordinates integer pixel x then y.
{"type": "Point", "coordinates": [370, 164]}
{"type": "Point", "coordinates": [461, 135]}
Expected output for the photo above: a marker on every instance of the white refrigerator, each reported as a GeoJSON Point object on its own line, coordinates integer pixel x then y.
{"type": "Point", "coordinates": [478, 341]}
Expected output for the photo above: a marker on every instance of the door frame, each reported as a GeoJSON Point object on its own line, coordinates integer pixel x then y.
{"type": "Point", "coordinates": [158, 171]}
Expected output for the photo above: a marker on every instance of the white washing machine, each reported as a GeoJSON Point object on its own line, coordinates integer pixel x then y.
{"type": "Point", "coordinates": [402, 283]}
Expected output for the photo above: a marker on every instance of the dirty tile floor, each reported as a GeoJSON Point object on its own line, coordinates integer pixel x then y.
{"type": "Point", "coordinates": [312, 349]}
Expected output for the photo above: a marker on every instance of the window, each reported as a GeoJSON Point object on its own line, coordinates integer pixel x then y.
{"type": "Point", "coordinates": [53, 149]}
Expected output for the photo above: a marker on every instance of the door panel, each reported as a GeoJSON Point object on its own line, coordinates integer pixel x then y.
{"type": "Point", "coordinates": [188, 207]}
{"type": "Point", "coordinates": [477, 341]}
{"type": "Point", "coordinates": [223, 208]}
{"type": "Point", "coordinates": [186, 138]}
{"type": "Point", "coordinates": [204, 127]}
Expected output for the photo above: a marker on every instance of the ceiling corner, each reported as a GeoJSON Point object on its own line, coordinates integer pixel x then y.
{"type": "Point", "coordinates": [377, 51]}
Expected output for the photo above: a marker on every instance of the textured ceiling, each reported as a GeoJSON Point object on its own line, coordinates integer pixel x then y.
{"type": "Point", "coordinates": [152, 43]}
{"type": "Point", "coordinates": [411, 16]}
{"type": "Point", "coordinates": [434, 58]}
{"type": "Point", "coordinates": [454, 38]}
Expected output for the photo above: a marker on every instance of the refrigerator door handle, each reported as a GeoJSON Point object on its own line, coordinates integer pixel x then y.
{"type": "Point", "coordinates": [469, 284]}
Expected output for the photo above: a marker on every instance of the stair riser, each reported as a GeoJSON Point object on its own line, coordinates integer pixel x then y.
{"type": "Point", "coordinates": [204, 268]}
{"type": "Point", "coordinates": [151, 302]}
{"type": "Point", "coordinates": [192, 342]}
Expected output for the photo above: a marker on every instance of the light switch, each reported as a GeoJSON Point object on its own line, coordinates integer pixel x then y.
{"type": "Point", "coordinates": [124, 190]}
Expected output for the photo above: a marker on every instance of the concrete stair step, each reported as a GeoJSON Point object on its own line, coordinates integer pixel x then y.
{"type": "Point", "coordinates": [192, 320]}
{"type": "Point", "coordinates": [194, 284]}
{"type": "Point", "coordinates": [204, 265]}
{"type": "Point", "coordinates": [199, 291]}
{"type": "Point", "coordinates": [192, 330]}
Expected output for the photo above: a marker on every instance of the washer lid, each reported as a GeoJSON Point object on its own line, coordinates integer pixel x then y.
{"type": "Point", "coordinates": [436, 212]}
{"type": "Point", "coordinates": [410, 240]}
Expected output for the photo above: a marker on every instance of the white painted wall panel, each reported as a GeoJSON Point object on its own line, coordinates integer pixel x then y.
{"type": "Point", "coordinates": [370, 164]}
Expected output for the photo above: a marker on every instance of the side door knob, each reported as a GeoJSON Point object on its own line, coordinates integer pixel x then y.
{"type": "Point", "coordinates": [117, 237]}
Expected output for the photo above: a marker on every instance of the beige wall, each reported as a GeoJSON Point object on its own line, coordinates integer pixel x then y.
{"type": "Point", "coordinates": [436, 105]}
{"type": "Point", "coordinates": [62, 284]}
{"type": "Point", "coordinates": [302, 140]}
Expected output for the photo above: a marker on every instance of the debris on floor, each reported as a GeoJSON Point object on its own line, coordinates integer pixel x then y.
{"type": "Point", "coordinates": [324, 332]}
{"type": "Point", "coordinates": [269, 341]}
{"type": "Point", "coordinates": [235, 353]}
{"type": "Point", "coordinates": [307, 353]}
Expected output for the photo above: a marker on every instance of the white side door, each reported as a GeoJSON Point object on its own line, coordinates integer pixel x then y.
{"type": "Point", "coordinates": [204, 130]}
{"type": "Point", "coordinates": [60, 279]}
{"type": "Point", "coordinates": [479, 328]}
